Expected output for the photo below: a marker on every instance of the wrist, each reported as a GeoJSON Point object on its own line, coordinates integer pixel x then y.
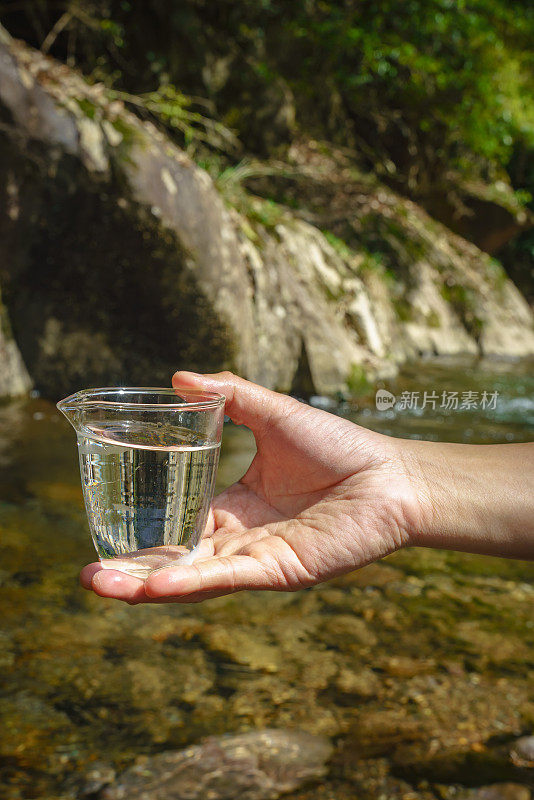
{"type": "Point", "coordinates": [472, 498]}
{"type": "Point", "coordinates": [433, 489]}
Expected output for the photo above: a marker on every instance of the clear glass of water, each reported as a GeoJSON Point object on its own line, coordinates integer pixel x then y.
{"type": "Point", "coordinates": [148, 461]}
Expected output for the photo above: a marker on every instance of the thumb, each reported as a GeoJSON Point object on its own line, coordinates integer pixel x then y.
{"type": "Point", "coordinates": [246, 403]}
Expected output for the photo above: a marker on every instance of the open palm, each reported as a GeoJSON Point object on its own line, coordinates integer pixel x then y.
{"type": "Point", "coordinates": [322, 497]}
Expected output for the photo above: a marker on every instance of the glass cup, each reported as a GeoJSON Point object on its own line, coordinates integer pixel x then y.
{"type": "Point", "coordinates": [148, 461]}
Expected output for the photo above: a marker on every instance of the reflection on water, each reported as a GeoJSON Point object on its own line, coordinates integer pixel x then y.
{"type": "Point", "coordinates": [425, 647]}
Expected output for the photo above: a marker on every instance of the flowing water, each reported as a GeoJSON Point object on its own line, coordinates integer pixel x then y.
{"type": "Point", "coordinates": [419, 667]}
{"type": "Point", "coordinates": [147, 493]}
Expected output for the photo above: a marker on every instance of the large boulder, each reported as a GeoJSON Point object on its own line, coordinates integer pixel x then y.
{"type": "Point", "coordinates": [121, 261]}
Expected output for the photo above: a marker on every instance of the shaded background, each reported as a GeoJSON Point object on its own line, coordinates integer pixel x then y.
{"type": "Point", "coordinates": [358, 155]}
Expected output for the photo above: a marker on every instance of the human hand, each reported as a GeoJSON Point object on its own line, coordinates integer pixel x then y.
{"type": "Point", "coordinates": [322, 497]}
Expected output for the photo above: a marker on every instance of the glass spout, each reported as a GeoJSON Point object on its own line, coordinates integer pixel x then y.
{"type": "Point", "coordinates": [148, 460]}
{"type": "Point", "coordinates": [70, 407]}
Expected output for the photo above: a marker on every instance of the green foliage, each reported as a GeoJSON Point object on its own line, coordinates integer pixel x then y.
{"type": "Point", "coordinates": [86, 107]}
{"type": "Point", "coordinates": [403, 309]}
{"type": "Point", "coordinates": [257, 210]}
{"type": "Point", "coordinates": [176, 111]}
{"type": "Point", "coordinates": [230, 180]}
{"type": "Point", "coordinates": [496, 274]}
{"type": "Point", "coordinates": [450, 81]}
{"type": "Point", "coordinates": [339, 245]}
{"type": "Point", "coordinates": [433, 320]}
{"type": "Point", "coordinates": [420, 86]}
{"type": "Point", "coordinates": [463, 301]}
{"type": "Point", "coordinates": [357, 381]}
{"type": "Point", "coordinates": [518, 259]}
{"type": "Point", "coordinates": [434, 96]}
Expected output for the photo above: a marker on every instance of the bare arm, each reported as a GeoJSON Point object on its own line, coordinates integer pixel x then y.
{"type": "Point", "coordinates": [475, 498]}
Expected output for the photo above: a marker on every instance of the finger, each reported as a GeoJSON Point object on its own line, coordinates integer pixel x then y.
{"type": "Point", "coordinates": [345, 446]}
{"type": "Point", "coordinates": [210, 524]}
{"type": "Point", "coordinates": [113, 586]}
{"type": "Point", "coordinates": [197, 597]}
{"type": "Point", "coordinates": [86, 575]}
{"type": "Point", "coordinates": [229, 542]}
{"type": "Point", "coordinates": [108, 582]}
{"type": "Point", "coordinates": [204, 549]}
{"type": "Point", "coordinates": [221, 575]}
{"type": "Point", "coordinates": [119, 586]}
{"type": "Point", "coordinates": [246, 403]}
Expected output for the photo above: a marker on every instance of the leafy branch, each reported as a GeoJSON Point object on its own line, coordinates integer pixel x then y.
{"type": "Point", "coordinates": [175, 110]}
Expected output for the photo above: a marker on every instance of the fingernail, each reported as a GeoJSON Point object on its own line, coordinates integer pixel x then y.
{"type": "Point", "coordinates": [185, 373]}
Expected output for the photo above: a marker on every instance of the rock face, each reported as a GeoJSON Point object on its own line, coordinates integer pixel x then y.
{"type": "Point", "coordinates": [121, 262]}
{"type": "Point", "coordinates": [260, 765]}
{"type": "Point", "coordinates": [14, 378]}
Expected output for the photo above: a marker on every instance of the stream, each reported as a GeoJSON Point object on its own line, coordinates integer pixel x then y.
{"type": "Point", "coordinates": [419, 668]}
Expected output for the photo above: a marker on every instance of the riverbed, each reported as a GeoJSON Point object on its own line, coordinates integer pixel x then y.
{"type": "Point", "coordinates": [419, 668]}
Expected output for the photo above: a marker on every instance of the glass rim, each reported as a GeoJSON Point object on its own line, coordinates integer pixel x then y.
{"type": "Point", "coordinates": [89, 398]}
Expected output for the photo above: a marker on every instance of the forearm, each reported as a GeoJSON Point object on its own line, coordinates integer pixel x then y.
{"type": "Point", "coordinates": [474, 498]}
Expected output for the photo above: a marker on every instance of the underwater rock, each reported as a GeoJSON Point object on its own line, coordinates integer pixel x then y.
{"type": "Point", "coordinates": [259, 765]}
{"type": "Point", "coordinates": [31, 726]}
{"type": "Point", "coordinates": [98, 777]}
{"type": "Point", "coordinates": [496, 791]}
{"type": "Point", "coordinates": [242, 646]}
{"type": "Point", "coordinates": [403, 667]}
{"type": "Point", "coordinates": [347, 632]}
{"type": "Point", "coordinates": [379, 733]}
{"type": "Point", "coordinates": [364, 684]}
{"type": "Point", "coordinates": [522, 752]}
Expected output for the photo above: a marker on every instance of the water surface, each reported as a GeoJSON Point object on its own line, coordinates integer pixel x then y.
{"type": "Point", "coordinates": [420, 667]}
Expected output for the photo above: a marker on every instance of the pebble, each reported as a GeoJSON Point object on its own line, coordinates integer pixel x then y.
{"type": "Point", "coordinates": [498, 791]}
{"type": "Point", "coordinates": [522, 752]}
